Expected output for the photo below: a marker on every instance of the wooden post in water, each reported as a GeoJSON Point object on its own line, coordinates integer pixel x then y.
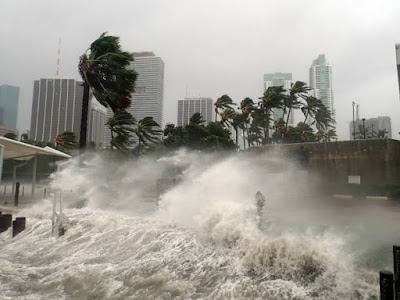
{"type": "Point", "coordinates": [396, 269]}
{"type": "Point", "coordinates": [16, 196]}
{"type": "Point", "coordinates": [386, 285]}
{"type": "Point", "coordinates": [5, 222]}
{"type": "Point", "coordinates": [18, 226]}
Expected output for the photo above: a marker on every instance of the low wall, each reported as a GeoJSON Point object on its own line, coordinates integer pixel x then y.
{"type": "Point", "coordinates": [376, 161]}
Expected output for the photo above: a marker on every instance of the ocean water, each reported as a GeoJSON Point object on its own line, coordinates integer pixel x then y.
{"type": "Point", "coordinates": [201, 240]}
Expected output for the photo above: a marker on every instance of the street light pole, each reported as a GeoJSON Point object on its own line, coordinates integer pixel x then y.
{"type": "Point", "coordinates": [354, 123]}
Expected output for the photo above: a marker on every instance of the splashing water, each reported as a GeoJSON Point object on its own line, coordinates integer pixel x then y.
{"type": "Point", "coordinates": [201, 241]}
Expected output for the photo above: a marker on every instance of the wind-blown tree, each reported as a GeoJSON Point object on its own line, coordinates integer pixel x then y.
{"type": "Point", "coordinates": [311, 107]}
{"type": "Point", "coordinates": [298, 90]}
{"type": "Point", "coordinates": [66, 140]}
{"type": "Point", "coordinates": [104, 68]}
{"type": "Point", "coordinates": [323, 118]}
{"type": "Point", "coordinates": [273, 98]}
{"type": "Point", "coordinates": [147, 131]}
{"type": "Point", "coordinates": [247, 106]}
{"type": "Point", "coordinates": [121, 126]}
{"type": "Point", "coordinates": [222, 103]}
{"type": "Point", "coordinates": [196, 119]}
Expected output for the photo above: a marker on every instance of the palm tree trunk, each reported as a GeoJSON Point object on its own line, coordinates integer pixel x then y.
{"type": "Point", "coordinates": [287, 119]}
{"type": "Point", "coordinates": [138, 152]}
{"type": "Point", "coordinates": [84, 117]}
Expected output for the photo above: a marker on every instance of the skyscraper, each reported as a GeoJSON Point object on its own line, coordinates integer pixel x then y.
{"type": "Point", "coordinates": [189, 106]}
{"type": "Point", "coordinates": [57, 107]}
{"type": "Point", "coordinates": [321, 82]}
{"type": "Point", "coordinates": [398, 62]}
{"type": "Point", "coordinates": [147, 101]}
{"type": "Point", "coordinates": [9, 96]}
{"type": "Point", "coordinates": [279, 79]}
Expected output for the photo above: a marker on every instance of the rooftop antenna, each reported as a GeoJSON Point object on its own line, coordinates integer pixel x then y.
{"type": "Point", "coordinates": [58, 57]}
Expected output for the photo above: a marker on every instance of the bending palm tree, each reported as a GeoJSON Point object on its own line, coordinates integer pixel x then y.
{"type": "Point", "coordinates": [104, 70]}
{"type": "Point", "coordinates": [147, 131]}
{"type": "Point", "coordinates": [222, 103]}
{"type": "Point", "coordinates": [121, 127]}
{"type": "Point", "coordinates": [298, 90]}
{"type": "Point", "coordinates": [273, 98]}
{"type": "Point", "coordinates": [247, 106]}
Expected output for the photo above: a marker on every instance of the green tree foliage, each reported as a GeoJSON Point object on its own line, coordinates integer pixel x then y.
{"type": "Point", "coordinates": [273, 98]}
{"type": "Point", "coordinates": [211, 137]}
{"type": "Point", "coordinates": [104, 68]}
{"type": "Point", "coordinates": [121, 126]}
{"type": "Point", "coordinates": [222, 103]}
{"type": "Point", "coordinates": [148, 132]}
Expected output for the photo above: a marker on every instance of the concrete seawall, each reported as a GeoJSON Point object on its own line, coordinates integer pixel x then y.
{"type": "Point", "coordinates": [375, 161]}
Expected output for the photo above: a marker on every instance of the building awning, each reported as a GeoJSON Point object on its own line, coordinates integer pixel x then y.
{"type": "Point", "coordinates": [16, 150]}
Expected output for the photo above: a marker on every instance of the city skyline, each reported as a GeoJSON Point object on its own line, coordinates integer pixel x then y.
{"type": "Point", "coordinates": [209, 58]}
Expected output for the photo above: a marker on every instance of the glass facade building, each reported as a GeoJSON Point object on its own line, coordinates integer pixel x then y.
{"type": "Point", "coordinates": [9, 97]}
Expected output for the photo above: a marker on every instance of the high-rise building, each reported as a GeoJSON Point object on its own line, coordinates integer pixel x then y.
{"type": "Point", "coordinates": [279, 79]}
{"type": "Point", "coordinates": [9, 96]}
{"type": "Point", "coordinates": [374, 128]}
{"type": "Point", "coordinates": [96, 121]}
{"type": "Point", "coordinates": [57, 107]}
{"type": "Point", "coordinates": [398, 62]}
{"type": "Point", "coordinates": [189, 106]}
{"type": "Point", "coordinates": [321, 82]}
{"type": "Point", "coordinates": [147, 101]}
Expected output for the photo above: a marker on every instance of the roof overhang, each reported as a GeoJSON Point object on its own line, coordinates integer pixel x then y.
{"type": "Point", "coordinates": [16, 150]}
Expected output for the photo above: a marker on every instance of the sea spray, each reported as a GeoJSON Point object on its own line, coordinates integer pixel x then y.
{"type": "Point", "coordinates": [200, 242]}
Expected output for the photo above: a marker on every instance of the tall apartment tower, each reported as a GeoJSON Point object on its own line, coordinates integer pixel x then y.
{"type": "Point", "coordinates": [57, 107]}
{"type": "Point", "coordinates": [279, 79]}
{"type": "Point", "coordinates": [189, 106]}
{"type": "Point", "coordinates": [148, 99]}
{"type": "Point", "coordinates": [321, 82]}
{"type": "Point", "coordinates": [398, 62]}
{"type": "Point", "coordinates": [9, 96]}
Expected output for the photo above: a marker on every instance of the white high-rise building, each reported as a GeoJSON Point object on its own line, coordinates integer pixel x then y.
{"type": "Point", "coordinates": [148, 99]}
{"type": "Point", "coordinates": [321, 82]}
{"type": "Point", "coordinates": [279, 79]}
{"type": "Point", "coordinates": [57, 107]}
{"type": "Point", "coordinates": [189, 106]}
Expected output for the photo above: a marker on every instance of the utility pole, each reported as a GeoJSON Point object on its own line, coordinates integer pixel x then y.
{"type": "Point", "coordinates": [363, 119]}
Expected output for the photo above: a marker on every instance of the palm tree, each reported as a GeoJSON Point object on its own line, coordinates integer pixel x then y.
{"type": "Point", "coordinates": [121, 127]}
{"type": "Point", "coordinates": [298, 90]}
{"type": "Point", "coordinates": [323, 118]}
{"type": "Point", "coordinates": [147, 131]}
{"type": "Point", "coordinates": [104, 70]}
{"type": "Point", "coordinates": [222, 103]}
{"type": "Point", "coordinates": [273, 98]}
{"type": "Point", "coordinates": [247, 106]}
{"type": "Point", "coordinates": [310, 107]}
{"type": "Point", "coordinates": [197, 119]}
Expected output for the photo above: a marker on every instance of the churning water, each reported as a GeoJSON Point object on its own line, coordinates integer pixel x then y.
{"type": "Point", "coordinates": [201, 241]}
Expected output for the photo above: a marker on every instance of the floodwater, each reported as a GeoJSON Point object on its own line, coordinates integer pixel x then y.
{"type": "Point", "coordinates": [202, 240]}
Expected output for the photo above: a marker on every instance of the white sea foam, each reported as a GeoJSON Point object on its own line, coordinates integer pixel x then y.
{"type": "Point", "coordinates": [201, 242]}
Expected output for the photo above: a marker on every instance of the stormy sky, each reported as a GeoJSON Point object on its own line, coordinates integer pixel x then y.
{"type": "Point", "coordinates": [215, 47]}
